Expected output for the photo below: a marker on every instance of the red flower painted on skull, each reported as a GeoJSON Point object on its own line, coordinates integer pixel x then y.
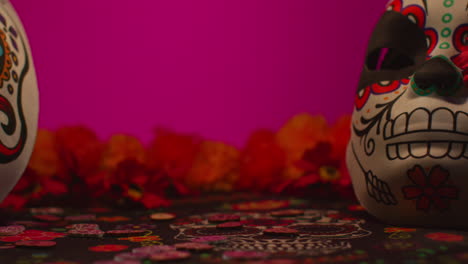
{"type": "Point", "coordinates": [432, 189]}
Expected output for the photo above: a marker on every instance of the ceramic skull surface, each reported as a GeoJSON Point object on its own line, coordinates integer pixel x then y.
{"type": "Point", "coordinates": [408, 153]}
{"type": "Point", "coordinates": [18, 99]}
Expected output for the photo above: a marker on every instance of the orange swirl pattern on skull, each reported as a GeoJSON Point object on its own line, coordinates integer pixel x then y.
{"type": "Point", "coordinates": [14, 66]}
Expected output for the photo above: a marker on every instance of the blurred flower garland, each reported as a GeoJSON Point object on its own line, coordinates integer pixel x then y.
{"type": "Point", "coordinates": [72, 167]}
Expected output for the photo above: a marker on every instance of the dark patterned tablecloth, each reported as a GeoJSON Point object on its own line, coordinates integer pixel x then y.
{"type": "Point", "coordinates": [323, 232]}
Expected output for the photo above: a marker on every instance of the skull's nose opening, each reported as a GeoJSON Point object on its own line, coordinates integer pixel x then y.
{"type": "Point", "coordinates": [437, 75]}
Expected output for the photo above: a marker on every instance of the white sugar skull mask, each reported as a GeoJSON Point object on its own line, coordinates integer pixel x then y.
{"type": "Point", "coordinates": [18, 99]}
{"type": "Point", "coordinates": [408, 153]}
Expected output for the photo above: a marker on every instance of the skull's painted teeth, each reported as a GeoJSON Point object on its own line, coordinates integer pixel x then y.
{"type": "Point", "coordinates": [403, 151]}
{"type": "Point", "coordinates": [388, 129]}
{"type": "Point", "coordinates": [418, 150]}
{"type": "Point", "coordinates": [457, 150]}
{"type": "Point", "coordinates": [379, 190]}
{"type": "Point", "coordinates": [442, 120]}
{"type": "Point", "coordinates": [439, 149]}
{"type": "Point", "coordinates": [414, 123]}
{"type": "Point", "coordinates": [400, 124]}
{"type": "Point", "coordinates": [423, 120]}
{"type": "Point", "coordinates": [462, 122]}
{"type": "Point", "coordinates": [392, 152]}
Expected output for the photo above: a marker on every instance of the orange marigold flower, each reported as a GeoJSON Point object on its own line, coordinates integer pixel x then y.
{"type": "Point", "coordinates": [298, 134]}
{"type": "Point", "coordinates": [340, 134]}
{"type": "Point", "coordinates": [45, 160]}
{"type": "Point", "coordinates": [173, 153]}
{"type": "Point", "coordinates": [122, 147]}
{"type": "Point", "coordinates": [215, 168]}
{"type": "Point", "coordinates": [261, 162]}
{"type": "Point", "coordinates": [80, 149]}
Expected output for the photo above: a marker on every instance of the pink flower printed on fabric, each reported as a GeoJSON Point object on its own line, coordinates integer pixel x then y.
{"type": "Point", "coordinates": [33, 235]}
{"type": "Point", "coordinates": [430, 190]}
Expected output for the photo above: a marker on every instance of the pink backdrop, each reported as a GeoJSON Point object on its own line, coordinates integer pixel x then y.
{"type": "Point", "coordinates": [217, 68]}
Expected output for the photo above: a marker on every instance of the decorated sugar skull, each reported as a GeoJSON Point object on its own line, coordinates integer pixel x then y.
{"type": "Point", "coordinates": [408, 153]}
{"type": "Point", "coordinates": [18, 99]}
{"type": "Point", "coordinates": [320, 232]}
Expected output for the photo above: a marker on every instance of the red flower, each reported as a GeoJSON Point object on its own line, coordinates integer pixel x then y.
{"type": "Point", "coordinates": [33, 235]}
{"type": "Point", "coordinates": [173, 153]}
{"type": "Point", "coordinates": [31, 188]}
{"type": "Point", "coordinates": [80, 150]}
{"type": "Point", "coordinates": [14, 202]}
{"type": "Point", "coordinates": [325, 173]}
{"type": "Point", "coordinates": [431, 189]}
{"type": "Point", "coordinates": [108, 248]}
{"type": "Point", "coordinates": [150, 200]}
{"type": "Point", "coordinates": [445, 237]}
{"type": "Point", "coordinates": [262, 162]}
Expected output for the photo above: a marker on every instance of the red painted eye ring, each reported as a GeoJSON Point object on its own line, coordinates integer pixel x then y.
{"type": "Point", "coordinates": [395, 5]}
{"type": "Point", "coordinates": [461, 32]}
{"type": "Point", "coordinates": [432, 35]}
{"type": "Point", "coordinates": [360, 101]}
{"type": "Point", "coordinates": [418, 13]}
{"type": "Point", "coordinates": [378, 88]}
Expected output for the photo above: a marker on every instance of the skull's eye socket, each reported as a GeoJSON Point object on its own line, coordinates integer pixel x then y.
{"type": "Point", "coordinates": [388, 59]}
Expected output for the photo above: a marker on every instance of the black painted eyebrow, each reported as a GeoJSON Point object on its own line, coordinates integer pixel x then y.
{"type": "Point", "coordinates": [425, 7]}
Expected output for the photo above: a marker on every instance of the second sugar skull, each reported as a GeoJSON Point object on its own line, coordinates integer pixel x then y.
{"type": "Point", "coordinates": [408, 153]}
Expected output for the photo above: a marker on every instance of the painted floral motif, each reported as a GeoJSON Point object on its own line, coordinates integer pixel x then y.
{"type": "Point", "coordinates": [342, 216]}
{"type": "Point", "coordinates": [356, 208]}
{"type": "Point", "coordinates": [142, 226]}
{"type": "Point", "coordinates": [444, 237]}
{"type": "Point", "coordinates": [108, 248]}
{"type": "Point", "coordinates": [5, 58]}
{"type": "Point", "coordinates": [62, 262]}
{"type": "Point", "coordinates": [400, 235]}
{"type": "Point", "coordinates": [430, 190]}
{"type": "Point", "coordinates": [33, 235]}
{"type": "Point", "coordinates": [187, 221]}
{"type": "Point", "coordinates": [267, 222]}
{"type": "Point", "coordinates": [399, 229]}
{"type": "Point", "coordinates": [139, 239]}
{"type": "Point", "coordinates": [113, 219]}
{"type": "Point", "coordinates": [264, 205]}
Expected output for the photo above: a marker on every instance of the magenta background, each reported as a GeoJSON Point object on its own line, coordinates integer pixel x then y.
{"type": "Point", "coordinates": [218, 68]}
